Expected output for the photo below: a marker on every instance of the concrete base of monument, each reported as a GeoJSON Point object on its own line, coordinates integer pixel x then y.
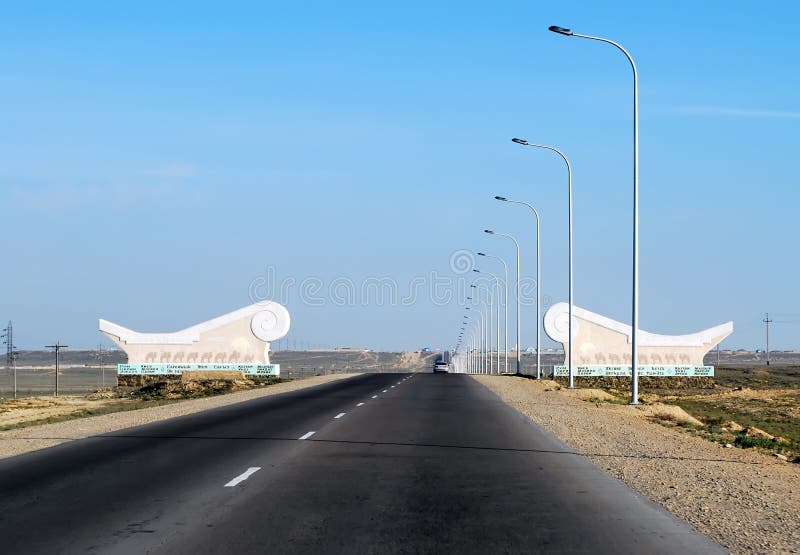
{"type": "Point", "coordinates": [645, 383]}
{"type": "Point", "coordinates": [212, 375]}
{"type": "Point", "coordinates": [138, 380]}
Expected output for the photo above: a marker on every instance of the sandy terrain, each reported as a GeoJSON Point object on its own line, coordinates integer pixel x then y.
{"type": "Point", "coordinates": [14, 442]}
{"type": "Point", "coordinates": [746, 501]}
{"type": "Point", "coordinates": [19, 411]}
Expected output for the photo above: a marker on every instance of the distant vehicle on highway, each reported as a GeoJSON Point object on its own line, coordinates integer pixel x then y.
{"type": "Point", "coordinates": [440, 366]}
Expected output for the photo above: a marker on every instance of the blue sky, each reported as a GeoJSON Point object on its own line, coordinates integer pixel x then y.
{"type": "Point", "coordinates": [159, 159]}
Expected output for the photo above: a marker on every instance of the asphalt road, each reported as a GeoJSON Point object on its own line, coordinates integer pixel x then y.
{"type": "Point", "coordinates": [382, 463]}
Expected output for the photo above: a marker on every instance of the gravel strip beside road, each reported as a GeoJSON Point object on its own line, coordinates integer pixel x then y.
{"type": "Point", "coordinates": [746, 501]}
{"type": "Point", "coordinates": [15, 442]}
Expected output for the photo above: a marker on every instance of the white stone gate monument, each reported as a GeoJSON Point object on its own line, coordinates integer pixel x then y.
{"type": "Point", "coordinates": [602, 346]}
{"type": "Point", "coordinates": [238, 341]}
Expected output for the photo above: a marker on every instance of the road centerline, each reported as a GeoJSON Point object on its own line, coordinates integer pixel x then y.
{"type": "Point", "coordinates": [243, 476]}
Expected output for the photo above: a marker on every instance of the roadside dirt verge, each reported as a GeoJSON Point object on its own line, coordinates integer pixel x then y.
{"type": "Point", "coordinates": [746, 501]}
{"type": "Point", "coordinates": [22, 440]}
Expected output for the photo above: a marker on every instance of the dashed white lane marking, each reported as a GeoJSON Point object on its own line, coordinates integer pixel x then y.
{"type": "Point", "coordinates": [244, 476]}
{"type": "Point", "coordinates": [391, 386]}
{"type": "Point", "coordinates": [339, 415]}
{"type": "Point", "coordinates": [307, 435]}
{"type": "Point", "coordinates": [374, 396]}
{"type": "Point", "coordinates": [358, 405]}
{"type": "Point", "coordinates": [384, 391]}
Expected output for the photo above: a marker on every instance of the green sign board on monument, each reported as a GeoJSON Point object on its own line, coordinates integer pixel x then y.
{"type": "Point", "coordinates": [178, 369]}
{"type": "Point", "coordinates": [599, 370]}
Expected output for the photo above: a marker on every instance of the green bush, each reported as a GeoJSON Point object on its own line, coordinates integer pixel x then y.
{"type": "Point", "coordinates": [745, 441]}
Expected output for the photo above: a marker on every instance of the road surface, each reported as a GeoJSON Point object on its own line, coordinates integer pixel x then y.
{"type": "Point", "coordinates": [380, 463]}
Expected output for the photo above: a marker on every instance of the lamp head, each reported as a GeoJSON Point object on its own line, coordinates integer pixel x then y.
{"type": "Point", "coordinates": [561, 30]}
{"type": "Point", "coordinates": [519, 141]}
{"type": "Point", "coordinates": [489, 231]}
{"type": "Point", "coordinates": [501, 198]}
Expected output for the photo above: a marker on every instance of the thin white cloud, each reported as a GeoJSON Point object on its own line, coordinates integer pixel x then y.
{"type": "Point", "coordinates": [736, 112]}
{"type": "Point", "coordinates": [175, 169]}
{"type": "Point", "coordinates": [71, 197]}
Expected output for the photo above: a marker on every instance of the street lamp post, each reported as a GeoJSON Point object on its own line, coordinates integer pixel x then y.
{"type": "Point", "coordinates": [473, 365]}
{"type": "Point", "coordinates": [481, 344]}
{"type": "Point", "coordinates": [519, 346]}
{"type": "Point", "coordinates": [505, 327]}
{"type": "Point", "coordinates": [490, 298]}
{"type": "Point", "coordinates": [497, 289]}
{"type": "Point", "coordinates": [635, 291]}
{"type": "Point", "coordinates": [478, 342]}
{"type": "Point", "coordinates": [472, 356]}
{"type": "Point", "coordinates": [471, 343]}
{"type": "Point", "coordinates": [569, 202]}
{"type": "Point", "coordinates": [538, 284]}
{"type": "Point", "coordinates": [483, 333]}
{"type": "Point", "coordinates": [484, 342]}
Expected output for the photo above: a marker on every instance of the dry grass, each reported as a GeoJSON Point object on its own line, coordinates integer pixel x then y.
{"type": "Point", "coordinates": [762, 398]}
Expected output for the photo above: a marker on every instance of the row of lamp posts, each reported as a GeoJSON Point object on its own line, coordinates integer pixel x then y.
{"type": "Point", "coordinates": [472, 360]}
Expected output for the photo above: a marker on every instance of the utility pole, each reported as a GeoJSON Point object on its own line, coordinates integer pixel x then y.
{"type": "Point", "coordinates": [767, 321]}
{"type": "Point", "coordinates": [14, 366]}
{"type": "Point", "coordinates": [11, 353]}
{"type": "Point", "coordinates": [102, 369]}
{"type": "Point", "coordinates": [58, 346]}
{"type": "Point", "coordinates": [8, 333]}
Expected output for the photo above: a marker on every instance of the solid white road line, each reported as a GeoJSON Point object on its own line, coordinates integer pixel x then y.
{"type": "Point", "coordinates": [339, 415]}
{"type": "Point", "coordinates": [358, 405]}
{"type": "Point", "coordinates": [307, 435]}
{"type": "Point", "coordinates": [244, 476]}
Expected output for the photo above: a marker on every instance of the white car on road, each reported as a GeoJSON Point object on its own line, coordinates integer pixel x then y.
{"type": "Point", "coordinates": [440, 366]}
